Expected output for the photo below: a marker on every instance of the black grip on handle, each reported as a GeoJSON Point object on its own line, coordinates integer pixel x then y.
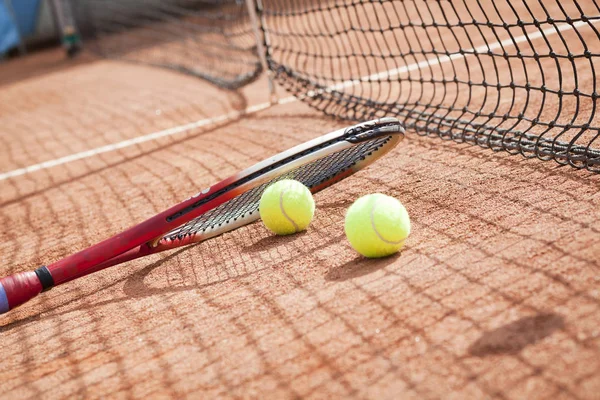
{"type": "Point", "coordinates": [45, 278]}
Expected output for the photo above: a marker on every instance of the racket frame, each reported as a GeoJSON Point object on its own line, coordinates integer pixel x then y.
{"type": "Point", "coordinates": [148, 237]}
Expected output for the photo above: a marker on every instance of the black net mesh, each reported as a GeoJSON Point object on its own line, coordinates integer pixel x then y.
{"type": "Point", "coordinates": [211, 39]}
{"type": "Point", "coordinates": [312, 175]}
{"type": "Point", "coordinates": [510, 75]}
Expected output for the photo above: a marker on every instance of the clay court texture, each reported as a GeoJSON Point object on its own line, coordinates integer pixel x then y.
{"type": "Point", "coordinates": [495, 295]}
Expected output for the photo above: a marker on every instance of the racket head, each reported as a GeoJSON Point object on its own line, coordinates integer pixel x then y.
{"type": "Point", "coordinates": [318, 164]}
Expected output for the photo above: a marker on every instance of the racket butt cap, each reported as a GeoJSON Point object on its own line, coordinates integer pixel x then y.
{"type": "Point", "coordinates": [18, 289]}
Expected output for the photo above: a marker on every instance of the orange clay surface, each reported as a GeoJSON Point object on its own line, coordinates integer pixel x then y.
{"type": "Point", "coordinates": [496, 294]}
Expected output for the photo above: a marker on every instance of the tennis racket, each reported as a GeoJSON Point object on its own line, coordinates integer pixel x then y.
{"type": "Point", "coordinates": [220, 208]}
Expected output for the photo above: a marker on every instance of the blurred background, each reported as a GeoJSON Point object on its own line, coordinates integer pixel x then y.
{"type": "Point", "coordinates": [25, 24]}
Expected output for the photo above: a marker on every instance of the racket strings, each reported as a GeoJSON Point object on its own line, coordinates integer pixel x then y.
{"type": "Point", "coordinates": [311, 174]}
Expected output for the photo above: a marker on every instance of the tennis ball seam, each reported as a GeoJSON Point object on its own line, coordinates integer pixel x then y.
{"type": "Point", "coordinates": [372, 218]}
{"type": "Point", "coordinates": [296, 228]}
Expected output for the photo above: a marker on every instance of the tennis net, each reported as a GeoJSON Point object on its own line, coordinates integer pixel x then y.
{"type": "Point", "coordinates": [211, 39]}
{"type": "Point", "coordinates": [510, 75]}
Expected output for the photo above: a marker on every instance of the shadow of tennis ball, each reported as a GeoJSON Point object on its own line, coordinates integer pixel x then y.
{"type": "Point", "coordinates": [359, 266]}
{"type": "Point", "coordinates": [273, 241]}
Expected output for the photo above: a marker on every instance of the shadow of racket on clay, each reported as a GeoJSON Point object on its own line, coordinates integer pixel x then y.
{"type": "Point", "coordinates": [134, 287]}
{"type": "Point", "coordinates": [515, 336]}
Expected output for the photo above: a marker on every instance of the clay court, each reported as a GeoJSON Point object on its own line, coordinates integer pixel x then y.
{"type": "Point", "coordinates": [495, 295]}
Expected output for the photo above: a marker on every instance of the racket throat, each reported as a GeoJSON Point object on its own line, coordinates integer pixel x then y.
{"type": "Point", "coordinates": [155, 242]}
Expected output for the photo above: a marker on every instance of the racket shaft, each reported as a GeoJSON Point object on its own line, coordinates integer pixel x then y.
{"type": "Point", "coordinates": [137, 252]}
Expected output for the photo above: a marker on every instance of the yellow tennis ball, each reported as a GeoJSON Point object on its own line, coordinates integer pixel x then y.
{"type": "Point", "coordinates": [286, 207]}
{"type": "Point", "coordinates": [377, 225]}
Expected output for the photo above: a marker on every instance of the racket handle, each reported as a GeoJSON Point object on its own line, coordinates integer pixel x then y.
{"type": "Point", "coordinates": [21, 287]}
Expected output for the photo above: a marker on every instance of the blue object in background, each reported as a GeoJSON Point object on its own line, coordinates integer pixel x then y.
{"type": "Point", "coordinates": [26, 15]}
{"type": "Point", "coordinates": [9, 33]}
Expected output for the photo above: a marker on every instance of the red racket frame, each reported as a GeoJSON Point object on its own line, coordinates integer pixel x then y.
{"type": "Point", "coordinates": [147, 237]}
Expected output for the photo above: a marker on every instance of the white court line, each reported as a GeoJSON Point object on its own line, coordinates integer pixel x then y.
{"type": "Point", "coordinates": [263, 106]}
{"type": "Point", "coordinates": [131, 142]}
